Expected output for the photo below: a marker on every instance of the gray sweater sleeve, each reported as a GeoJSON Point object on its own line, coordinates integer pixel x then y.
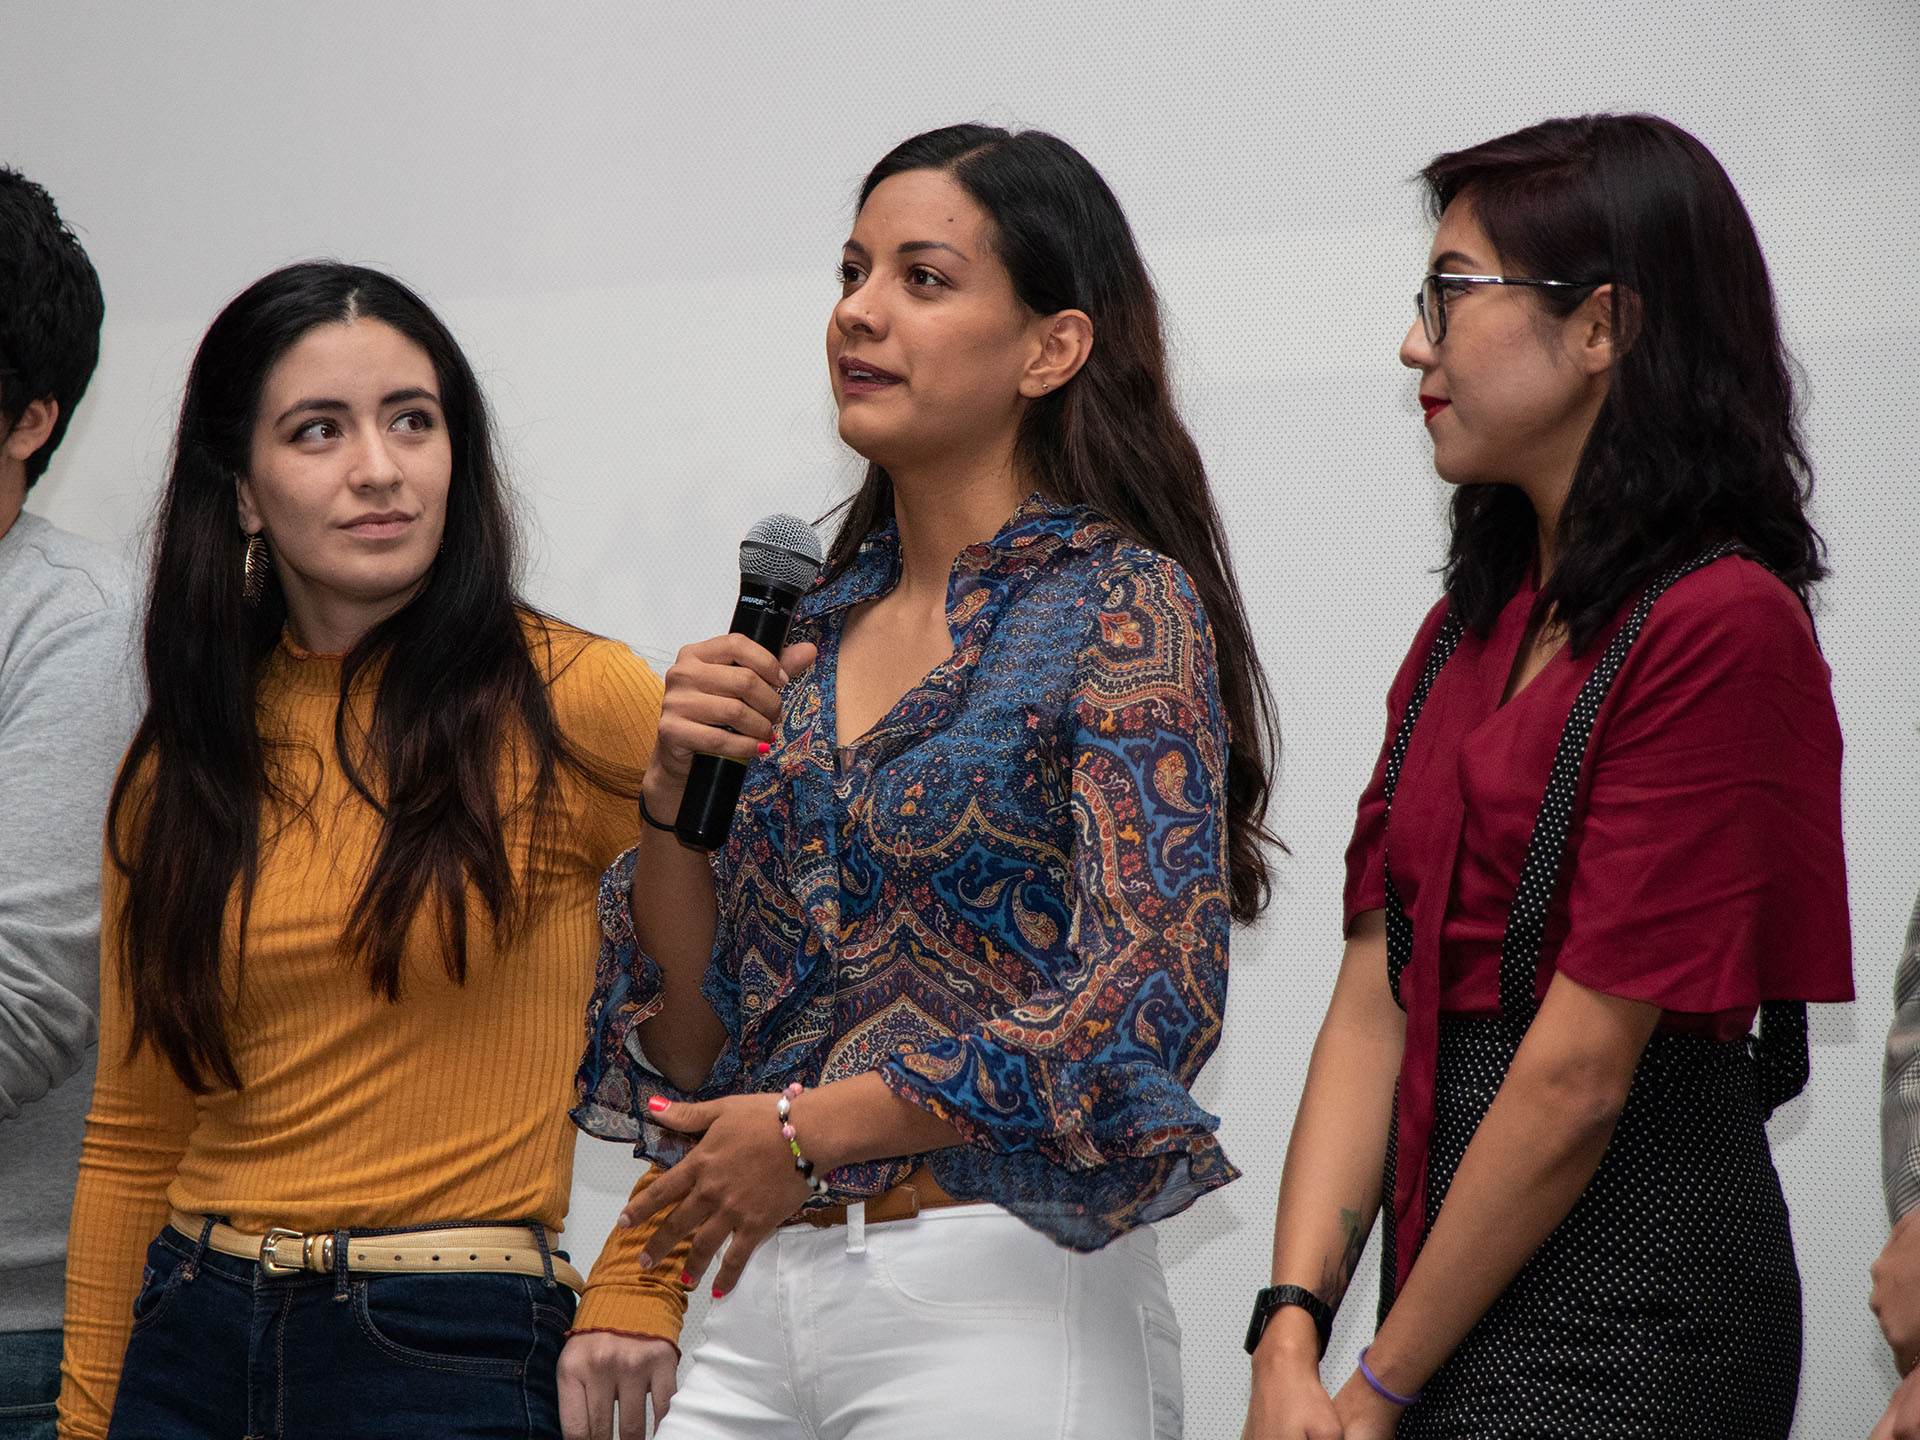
{"type": "Point", "coordinates": [67, 702]}
{"type": "Point", "coordinates": [1900, 1084]}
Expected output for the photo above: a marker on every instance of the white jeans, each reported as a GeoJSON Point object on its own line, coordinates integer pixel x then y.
{"type": "Point", "coordinates": [960, 1324]}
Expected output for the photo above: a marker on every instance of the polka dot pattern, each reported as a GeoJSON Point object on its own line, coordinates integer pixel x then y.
{"type": "Point", "coordinates": [1667, 1303]}
{"type": "Point", "coordinates": [1540, 873]}
{"type": "Point", "coordinates": [1399, 923]}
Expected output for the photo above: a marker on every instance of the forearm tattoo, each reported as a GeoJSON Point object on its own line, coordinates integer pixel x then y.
{"type": "Point", "coordinates": [1337, 1273]}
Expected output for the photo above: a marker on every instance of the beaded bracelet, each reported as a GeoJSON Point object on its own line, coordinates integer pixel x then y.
{"type": "Point", "coordinates": [800, 1162]}
{"type": "Point", "coordinates": [1366, 1373]}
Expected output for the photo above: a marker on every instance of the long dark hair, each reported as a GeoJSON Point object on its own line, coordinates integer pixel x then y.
{"type": "Point", "coordinates": [1111, 437]}
{"type": "Point", "coordinates": [457, 693]}
{"type": "Point", "coordinates": [1697, 440]}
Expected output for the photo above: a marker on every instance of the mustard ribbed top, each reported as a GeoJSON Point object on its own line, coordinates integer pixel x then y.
{"type": "Point", "coordinates": [449, 1106]}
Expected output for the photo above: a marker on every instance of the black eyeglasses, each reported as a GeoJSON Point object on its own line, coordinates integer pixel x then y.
{"type": "Point", "coordinates": [1431, 298]}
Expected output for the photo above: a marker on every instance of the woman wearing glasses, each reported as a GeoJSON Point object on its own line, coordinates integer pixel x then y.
{"type": "Point", "coordinates": [967, 941]}
{"type": "Point", "coordinates": [1604, 830]}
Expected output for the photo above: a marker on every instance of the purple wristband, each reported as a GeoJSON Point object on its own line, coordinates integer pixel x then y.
{"type": "Point", "coordinates": [1374, 1380]}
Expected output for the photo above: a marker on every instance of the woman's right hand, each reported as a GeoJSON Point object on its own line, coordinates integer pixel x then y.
{"type": "Point", "coordinates": [1289, 1402]}
{"type": "Point", "coordinates": [722, 698]}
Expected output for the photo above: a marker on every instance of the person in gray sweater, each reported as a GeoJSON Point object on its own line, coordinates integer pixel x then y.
{"type": "Point", "coordinates": [69, 698]}
{"type": "Point", "coordinates": [1896, 1274]}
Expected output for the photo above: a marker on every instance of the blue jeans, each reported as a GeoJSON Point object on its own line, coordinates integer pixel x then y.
{"type": "Point", "coordinates": [29, 1383]}
{"type": "Point", "coordinates": [221, 1350]}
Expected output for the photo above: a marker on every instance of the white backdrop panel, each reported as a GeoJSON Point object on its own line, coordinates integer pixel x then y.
{"type": "Point", "coordinates": [630, 214]}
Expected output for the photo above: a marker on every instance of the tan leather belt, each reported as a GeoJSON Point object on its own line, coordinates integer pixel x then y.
{"type": "Point", "coordinates": [494, 1249]}
{"type": "Point", "coordinates": [919, 1191]}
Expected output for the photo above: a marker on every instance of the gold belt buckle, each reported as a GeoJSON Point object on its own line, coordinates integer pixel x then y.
{"type": "Point", "coordinates": [274, 1265]}
{"type": "Point", "coordinates": [270, 1262]}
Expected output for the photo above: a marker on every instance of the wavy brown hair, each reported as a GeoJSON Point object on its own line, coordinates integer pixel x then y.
{"type": "Point", "coordinates": [1111, 438]}
{"type": "Point", "coordinates": [457, 693]}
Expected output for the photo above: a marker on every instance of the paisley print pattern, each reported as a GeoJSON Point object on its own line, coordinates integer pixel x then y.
{"type": "Point", "coordinates": [1009, 897]}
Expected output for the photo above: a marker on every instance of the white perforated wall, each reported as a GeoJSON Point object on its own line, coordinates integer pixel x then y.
{"type": "Point", "coordinates": [630, 214]}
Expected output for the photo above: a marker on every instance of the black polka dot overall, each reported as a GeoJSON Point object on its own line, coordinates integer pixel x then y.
{"type": "Point", "coordinates": [1667, 1303]}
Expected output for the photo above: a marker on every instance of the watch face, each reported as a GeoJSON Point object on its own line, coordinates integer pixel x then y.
{"type": "Point", "coordinates": [1264, 1304]}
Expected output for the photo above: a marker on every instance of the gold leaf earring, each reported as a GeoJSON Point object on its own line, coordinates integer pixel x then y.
{"type": "Point", "coordinates": [253, 569]}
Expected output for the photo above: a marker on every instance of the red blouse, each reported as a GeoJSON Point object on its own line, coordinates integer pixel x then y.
{"type": "Point", "coordinates": [1704, 871]}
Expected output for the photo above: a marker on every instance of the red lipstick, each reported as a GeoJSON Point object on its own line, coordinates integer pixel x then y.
{"type": "Point", "coordinates": [1433, 405]}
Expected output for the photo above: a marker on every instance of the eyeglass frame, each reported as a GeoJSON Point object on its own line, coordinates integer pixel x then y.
{"type": "Point", "coordinates": [1429, 327]}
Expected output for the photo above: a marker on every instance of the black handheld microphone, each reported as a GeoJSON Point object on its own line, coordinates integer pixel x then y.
{"type": "Point", "coordinates": [779, 559]}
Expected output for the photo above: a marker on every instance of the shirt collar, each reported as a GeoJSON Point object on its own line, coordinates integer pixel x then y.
{"type": "Point", "coordinates": [1032, 534]}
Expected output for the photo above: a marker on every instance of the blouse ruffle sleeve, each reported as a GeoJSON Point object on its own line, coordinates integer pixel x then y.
{"type": "Point", "coordinates": [1075, 1105]}
{"type": "Point", "coordinates": [1710, 873]}
{"type": "Point", "coordinates": [614, 1083]}
{"type": "Point", "coordinates": [608, 1089]}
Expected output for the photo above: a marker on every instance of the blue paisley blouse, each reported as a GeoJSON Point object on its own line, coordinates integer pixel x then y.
{"type": "Point", "coordinates": [1009, 897]}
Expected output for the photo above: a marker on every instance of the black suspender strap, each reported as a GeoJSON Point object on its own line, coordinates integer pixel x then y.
{"type": "Point", "coordinates": [1780, 1049]}
{"type": "Point", "coordinates": [1399, 924]}
{"type": "Point", "coordinates": [1540, 871]}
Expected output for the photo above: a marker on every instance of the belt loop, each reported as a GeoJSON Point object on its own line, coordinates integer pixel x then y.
{"type": "Point", "coordinates": [340, 1241]}
{"type": "Point", "coordinates": [546, 1255]}
{"type": "Point", "coordinates": [207, 1222]}
{"type": "Point", "coordinates": [857, 1228]}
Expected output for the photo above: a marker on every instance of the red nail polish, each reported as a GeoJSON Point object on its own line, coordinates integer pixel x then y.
{"type": "Point", "coordinates": [765, 747]}
{"type": "Point", "coordinates": [718, 1292]}
{"type": "Point", "coordinates": [686, 1279]}
{"type": "Point", "coordinates": [658, 1103]}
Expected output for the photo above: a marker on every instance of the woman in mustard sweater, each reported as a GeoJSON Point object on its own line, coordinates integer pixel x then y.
{"type": "Point", "coordinates": [350, 925]}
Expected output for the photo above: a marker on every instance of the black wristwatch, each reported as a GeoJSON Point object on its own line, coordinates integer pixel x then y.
{"type": "Point", "coordinates": [1277, 1297]}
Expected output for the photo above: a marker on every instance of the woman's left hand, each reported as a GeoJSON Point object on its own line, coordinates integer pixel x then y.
{"type": "Point", "coordinates": [600, 1370]}
{"type": "Point", "coordinates": [737, 1184]}
{"type": "Point", "coordinates": [1363, 1414]}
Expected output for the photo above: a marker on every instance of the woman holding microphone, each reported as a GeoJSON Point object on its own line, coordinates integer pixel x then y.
{"type": "Point", "coordinates": [934, 1009]}
{"type": "Point", "coordinates": [1604, 829]}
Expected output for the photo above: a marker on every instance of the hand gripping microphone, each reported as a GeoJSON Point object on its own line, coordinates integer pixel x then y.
{"type": "Point", "coordinates": [779, 560]}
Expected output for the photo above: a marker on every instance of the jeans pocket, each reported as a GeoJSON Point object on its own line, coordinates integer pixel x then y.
{"type": "Point", "coordinates": [158, 1285]}
{"type": "Point", "coordinates": [555, 1311]}
{"type": "Point", "coordinates": [471, 1324]}
{"type": "Point", "coordinates": [1160, 1334]}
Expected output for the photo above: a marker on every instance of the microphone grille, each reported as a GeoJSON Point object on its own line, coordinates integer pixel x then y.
{"type": "Point", "coordinates": [782, 550]}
